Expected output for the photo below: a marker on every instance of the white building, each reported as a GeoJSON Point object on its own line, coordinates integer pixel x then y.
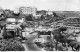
{"type": "Point", "coordinates": [37, 16]}
{"type": "Point", "coordinates": [49, 12]}
{"type": "Point", "coordinates": [42, 40]}
{"type": "Point", "coordinates": [20, 20]}
{"type": "Point", "coordinates": [11, 20]}
{"type": "Point", "coordinates": [28, 10]}
{"type": "Point", "coordinates": [11, 26]}
{"type": "Point", "coordinates": [16, 10]}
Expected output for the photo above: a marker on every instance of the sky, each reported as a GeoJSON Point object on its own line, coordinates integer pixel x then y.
{"type": "Point", "coordinates": [53, 5]}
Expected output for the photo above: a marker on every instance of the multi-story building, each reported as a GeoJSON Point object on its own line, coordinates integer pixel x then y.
{"type": "Point", "coordinates": [28, 10]}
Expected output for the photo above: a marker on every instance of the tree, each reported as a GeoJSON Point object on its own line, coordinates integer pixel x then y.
{"type": "Point", "coordinates": [63, 28]}
{"type": "Point", "coordinates": [16, 14]}
{"type": "Point", "coordinates": [11, 45]}
{"type": "Point", "coordinates": [55, 15]}
{"type": "Point", "coordinates": [29, 17]}
{"type": "Point", "coordinates": [42, 17]}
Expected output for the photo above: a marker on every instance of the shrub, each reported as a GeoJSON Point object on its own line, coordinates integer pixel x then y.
{"type": "Point", "coordinates": [11, 45]}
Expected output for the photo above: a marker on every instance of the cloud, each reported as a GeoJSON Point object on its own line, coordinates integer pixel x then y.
{"type": "Point", "coordinates": [58, 5]}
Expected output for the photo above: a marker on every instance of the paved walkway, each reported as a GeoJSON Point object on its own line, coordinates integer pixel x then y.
{"type": "Point", "coordinates": [31, 47]}
{"type": "Point", "coordinates": [29, 43]}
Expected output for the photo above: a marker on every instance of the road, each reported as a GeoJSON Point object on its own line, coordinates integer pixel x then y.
{"type": "Point", "coordinates": [29, 44]}
{"type": "Point", "coordinates": [31, 47]}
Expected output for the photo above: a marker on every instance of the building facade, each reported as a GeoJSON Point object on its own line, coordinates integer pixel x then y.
{"type": "Point", "coordinates": [28, 10]}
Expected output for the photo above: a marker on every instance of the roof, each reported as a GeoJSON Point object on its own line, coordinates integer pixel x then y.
{"type": "Point", "coordinates": [17, 17]}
